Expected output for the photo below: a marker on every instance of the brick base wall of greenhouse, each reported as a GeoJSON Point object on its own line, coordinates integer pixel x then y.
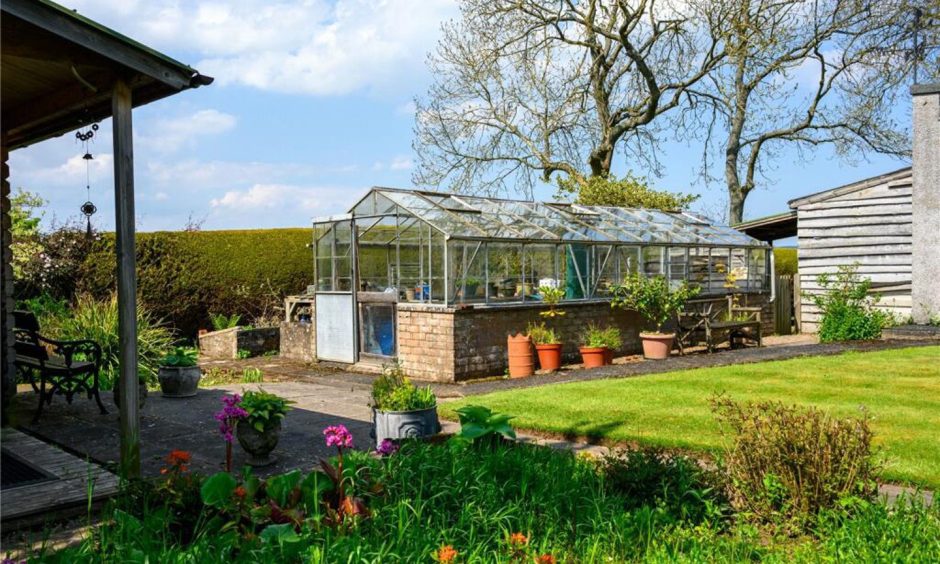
{"type": "Point", "coordinates": [455, 344]}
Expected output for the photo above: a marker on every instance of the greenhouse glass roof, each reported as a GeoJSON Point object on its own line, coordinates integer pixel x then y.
{"type": "Point", "coordinates": [476, 217]}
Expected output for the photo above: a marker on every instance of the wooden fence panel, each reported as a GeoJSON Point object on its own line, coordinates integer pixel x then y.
{"type": "Point", "coordinates": [783, 306]}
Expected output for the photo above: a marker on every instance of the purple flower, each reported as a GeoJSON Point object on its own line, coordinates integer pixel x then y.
{"type": "Point", "coordinates": [338, 436]}
{"type": "Point", "coordinates": [387, 447]}
{"type": "Point", "coordinates": [229, 415]}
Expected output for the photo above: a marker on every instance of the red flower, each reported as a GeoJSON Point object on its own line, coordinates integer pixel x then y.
{"type": "Point", "coordinates": [446, 554]}
{"type": "Point", "coordinates": [240, 492]}
{"type": "Point", "coordinates": [518, 539]}
{"type": "Point", "coordinates": [179, 457]}
{"type": "Point", "coordinates": [545, 559]}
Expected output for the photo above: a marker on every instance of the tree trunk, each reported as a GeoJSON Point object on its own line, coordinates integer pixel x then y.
{"type": "Point", "coordinates": [600, 160]}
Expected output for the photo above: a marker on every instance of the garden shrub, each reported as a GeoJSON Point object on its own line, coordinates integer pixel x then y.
{"type": "Point", "coordinates": [651, 476]}
{"type": "Point", "coordinates": [847, 307]}
{"type": "Point", "coordinates": [786, 463]}
{"type": "Point", "coordinates": [97, 320]}
{"type": "Point", "coordinates": [785, 261]}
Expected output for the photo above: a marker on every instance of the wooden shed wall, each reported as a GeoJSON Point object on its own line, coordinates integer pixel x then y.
{"type": "Point", "coordinates": [870, 226]}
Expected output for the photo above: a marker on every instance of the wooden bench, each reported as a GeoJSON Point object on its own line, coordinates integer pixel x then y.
{"type": "Point", "coordinates": [66, 367]}
{"type": "Point", "coordinates": [709, 317]}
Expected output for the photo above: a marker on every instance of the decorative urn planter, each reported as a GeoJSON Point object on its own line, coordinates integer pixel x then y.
{"type": "Point", "coordinates": [258, 444]}
{"type": "Point", "coordinates": [179, 381]}
{"type": "Point", "coordinates": [397, 425]}
{"type": "Point", "coordinates": [521, 362]}
{"type": "Point", "coordinates": [657, 346]}
{"type": "Point", "coordinates": [549, 356]}
{"type": "Point", "coordinates": [141, 395]}
{"type": "Point", "coordinates": [592, 357]}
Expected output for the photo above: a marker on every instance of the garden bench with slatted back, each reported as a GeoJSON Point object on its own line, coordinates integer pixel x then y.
{"type": "Point", "coordinates": [62, 367]}
{"type": "Point", "coordinates": [707, 320]}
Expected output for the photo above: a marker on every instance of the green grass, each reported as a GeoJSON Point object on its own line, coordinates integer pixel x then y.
{"type": "Point", "coordinates": [900, 388]}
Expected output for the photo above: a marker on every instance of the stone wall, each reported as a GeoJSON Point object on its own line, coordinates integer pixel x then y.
{"type": "Point", "coordinates": [227, 342]}
{"type": "Point", "coordinates": [454, 344]}
{"type": "Point", "coordinates": [926, 203]}
{"type": "Point", "coordinates": [298, 341]}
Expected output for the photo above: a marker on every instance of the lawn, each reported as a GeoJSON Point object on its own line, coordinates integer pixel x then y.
{"type": "Point", "coordinates": [900, 388]}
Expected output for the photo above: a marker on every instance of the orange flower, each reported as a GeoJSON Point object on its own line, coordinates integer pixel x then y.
{"type": "Point", "coordinates": [545, 559]}
{"type": "Point", "coordinates": [518, 539]}
{"type": "Point", "coordinates": [179, 457]}
{"type": "Point", "coordinates": [240, 492]}
{"type": "Point", "coordinates": [446, 554]}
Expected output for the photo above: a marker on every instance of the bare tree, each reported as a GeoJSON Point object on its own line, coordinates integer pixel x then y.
{"type": "Point", "coordinates": [803, 73]}
{"type": "Point", "coordinates": [527, 89]}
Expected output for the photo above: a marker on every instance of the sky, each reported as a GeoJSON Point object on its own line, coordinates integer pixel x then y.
{"type": "Point", "coordinates": [312, 104]}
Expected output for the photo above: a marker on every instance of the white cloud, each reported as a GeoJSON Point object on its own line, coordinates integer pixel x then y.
{"type": "Point", "coordinates": [171, 135]}
{"type": "Point", "coordinates": [268, 197]}
{"type": "Point", "coordinates": [401, 163]}
{"type": "Point", "coordinates": [301, 46]}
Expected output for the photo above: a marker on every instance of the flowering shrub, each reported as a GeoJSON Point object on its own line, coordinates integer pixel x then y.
{"type": "Point", "coordinates": [338, 436]}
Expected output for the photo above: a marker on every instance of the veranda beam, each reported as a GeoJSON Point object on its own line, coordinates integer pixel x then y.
{"type": "Point", "coordinates": [126, 277]}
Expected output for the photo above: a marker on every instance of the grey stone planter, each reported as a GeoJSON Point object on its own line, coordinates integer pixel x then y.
{"type": "Point", "coordinates": [179, 381]}
{"type": "Point", "coordinates": [397, 425]}
{"type": "Point", "coordinates": [257, 444]}
{"type": "Point", "coordinates": [141, 395]}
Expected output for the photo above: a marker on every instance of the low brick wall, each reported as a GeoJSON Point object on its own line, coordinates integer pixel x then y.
{"type": "Point", "coordinates": [453, 344]}
{"type": "Point", "coordinates": [227, 342]}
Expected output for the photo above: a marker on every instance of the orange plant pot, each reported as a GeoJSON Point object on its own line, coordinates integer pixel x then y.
{"type": "Point", "coordinates": [608, 356]}
{"type": "Point", "coordinates": [549, 356]}
{"type": "Point", "coordinates": [592, 357]}
{"type": "Point", "coordinates": [657, 346]}
{"type": "Point", "coordinates": [521, 361]}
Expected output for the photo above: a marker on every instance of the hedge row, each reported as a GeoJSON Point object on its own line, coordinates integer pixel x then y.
{"type": "Point", "coordinates": [785, 260]}
{"type": "Point", "coordinates": [185, 276]}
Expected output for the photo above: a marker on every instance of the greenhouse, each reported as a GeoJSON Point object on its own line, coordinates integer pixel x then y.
{"type": "Point", "coordinates": [413, 251]}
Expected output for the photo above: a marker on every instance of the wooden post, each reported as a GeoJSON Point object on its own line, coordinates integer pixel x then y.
{"type": "Point", "coordinates": [126, 277]}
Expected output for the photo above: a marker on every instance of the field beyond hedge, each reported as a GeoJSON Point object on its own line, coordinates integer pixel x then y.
{"type": "Point", "coordinates": [900, 388]}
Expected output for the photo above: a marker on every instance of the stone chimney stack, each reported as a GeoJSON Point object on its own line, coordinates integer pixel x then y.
{"type": "Point", "coordinates": [925, 281]}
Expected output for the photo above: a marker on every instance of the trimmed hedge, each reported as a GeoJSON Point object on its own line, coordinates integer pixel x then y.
{"type": "Point", "coordinates": [785, 260]}
{"type": "Point", "coordinates": [183, 276]}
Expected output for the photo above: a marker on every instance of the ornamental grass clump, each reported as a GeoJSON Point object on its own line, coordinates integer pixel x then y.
{"type": "Point", "coordinates": [786, 464]}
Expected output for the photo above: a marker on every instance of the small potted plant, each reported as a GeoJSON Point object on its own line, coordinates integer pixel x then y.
{"type": "Point", "coordinates": [400, 410]}
{"type": "Point", "coordinates": [260, 429]}
{"type": "Point", "coordinates": [470, 286]}
{"type": "Point", "coordinates": [179, 374]}
{"type": "Point", "coordinates": [657, 303]}
{"type": "Point", "coordinates": [613, 340]}
{"type": "Point", "coordinates": [547, 346]}
{"type": "Point", "coordinates": [593, 345]}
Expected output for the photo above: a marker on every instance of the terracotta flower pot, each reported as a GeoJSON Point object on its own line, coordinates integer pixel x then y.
{"type": "Point", "coordinates": [657, 346]}
{"type": "Point", "coordinates": [592, 357]}
{"type": "Point", "coordinates": [608, 356]}
{"type": "Point", "coordinates": [521, 362]}
{"type": "Point", "coordinates": [549, 356]}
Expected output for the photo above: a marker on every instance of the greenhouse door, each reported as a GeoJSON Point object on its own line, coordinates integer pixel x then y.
{"type": "Point", "coordinates": [336, 327]}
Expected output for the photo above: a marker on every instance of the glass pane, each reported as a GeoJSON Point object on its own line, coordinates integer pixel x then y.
{"type": "Point", "coordinates": [377, 329]}
{"type": "Point", "coordinates": [505, 268]}
{"type": "Point", "coordinates": [698, 268]}
{"type": "Point", "coordinates": [738, 269]}
{"type": "Point", "coordinates": [719, 270]}
{"type": "Point", "coordinates": [677, 266]}
{"type": "Point", "coordinates": [436, 262]}
{"type": "Point", "coordinates": [604, 269]}
{"type": "Point", "coordinates": [467, 271]}
{"type": "Point", "coordinates": [325, 274]}
{"type": "Point", "coordinates": [540, 267]}
{"type": "Point", "coordinates": [629, 263]}
{"type": "Point", "coordinates": [577, 271]}
{"type": "Point", "coordinates": [653, 261]}
{"type": "Point", "coordinates": [757, 270]}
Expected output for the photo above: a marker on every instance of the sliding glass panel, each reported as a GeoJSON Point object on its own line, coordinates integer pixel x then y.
{"type": "Point", "coordinates": [505, 272]}
{"type": "Point", "coordinates": [540, 268]}
{"type": "Point", "coordinates": [604, 270]}
{"type": "Point", "coordinates": [466, 271]}
{"type": "Point", "coordinates": [629, 261]}
{"type": "Point", "coordinates": [677, 266]}
{"type": "Point", "coordinates": [654, 261]}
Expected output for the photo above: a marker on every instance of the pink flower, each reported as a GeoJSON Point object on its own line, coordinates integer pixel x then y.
{"type": "Point", "coordinates": [387, 447]}
{"type": "Point", "coordinates": [229, 415]}
{"type": "Point", "coordinates": [338, 436]}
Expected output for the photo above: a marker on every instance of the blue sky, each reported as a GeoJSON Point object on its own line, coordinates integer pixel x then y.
{"type": "Point", "coordinates": [312, 104]}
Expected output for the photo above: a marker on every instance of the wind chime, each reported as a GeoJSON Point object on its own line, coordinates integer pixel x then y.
{"type": "Point", "coordinates": [88, 208]}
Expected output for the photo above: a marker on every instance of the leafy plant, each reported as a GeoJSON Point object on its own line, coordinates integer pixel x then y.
{"type": "Point", "coordinates": [181, 357]}
{"type": "Point", "coordinates": [392, 391]}
{"type": "Point", "coordinates": [652, 298]}
{"type": "Point", "coordinates": [264, 409]}
{"type": "Point", "coordinates": [627, 192]}
{"type": "Point", "coordinates": [786, 463]}
{"type": "Point", "coordinates": [252, 375]}
{"type": "Point", "coordinates": [594, 336]}
{"type": "Point", "coordinates": [542, 335]}
{"type": "Point", "coordinates": [847, 307]}
{"type": "Point", "coordinates": [479, 423]}
{"type": "Point", "coordinates": [221, 321]}
{"type": "Point", "coordinates": [653, 477]}
{"type": "Point", "coordinates": [612, 338]}
{"type": "Point", "coordinates": [242, 354]}
{"type": "Point", "coordinates": [97, 320]}
{"type": "Point", "coordinates": [551, 296]}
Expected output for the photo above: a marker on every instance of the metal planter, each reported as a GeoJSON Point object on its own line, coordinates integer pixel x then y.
{"type": "Point", "coordinates": [179, 381]}
{"type": "Point", "coordinates": [396, 425]}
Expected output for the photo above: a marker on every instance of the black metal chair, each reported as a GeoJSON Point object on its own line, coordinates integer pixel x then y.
{"type": "Point", "coordinates": [67, 367]}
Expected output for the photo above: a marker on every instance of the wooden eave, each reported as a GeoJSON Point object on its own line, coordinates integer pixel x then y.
{"type": "Point", "coordinates": [897, 176]}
